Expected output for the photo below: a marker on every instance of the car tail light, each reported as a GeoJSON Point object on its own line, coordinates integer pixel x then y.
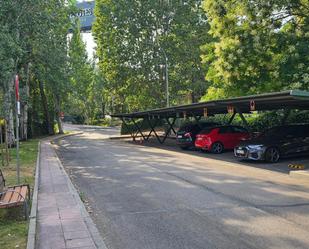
{"type": "Point", "coordinates": [188, 134]}
{"type": "Point", "coordinates": [203, 136]}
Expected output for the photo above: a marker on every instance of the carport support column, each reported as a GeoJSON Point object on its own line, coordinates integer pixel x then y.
{"type": "Point", "coordinates": [153, 130]}
{"type": "Point", "coordinates": [149, 123]}
{"type": "Point", "coordinates": [169, 130]}
{"type": "Point", "coordinates": [128, 128]}
{"type": "Point", "coordinates": [232, 118]}
{"type": "Point", "coordinates": [242, 118]}
{"type": "Point", "coordinates": [171, 124]}
{"type": "Point", "coordinates": [138, 128]}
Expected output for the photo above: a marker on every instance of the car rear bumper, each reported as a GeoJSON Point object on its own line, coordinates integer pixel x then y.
{"type": "Point", "coordinates": [184, 142]}
{"type": "Point", "coordinates": [249, 153]}
{"type": "Point", "coordinates": [202, 144]}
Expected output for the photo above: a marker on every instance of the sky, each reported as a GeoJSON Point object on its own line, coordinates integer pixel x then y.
{"type": "Point", "coordinates": [90, 43]}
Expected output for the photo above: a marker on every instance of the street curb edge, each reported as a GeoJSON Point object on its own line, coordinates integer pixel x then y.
{"type": "Point", "coordinates": [31, 240]}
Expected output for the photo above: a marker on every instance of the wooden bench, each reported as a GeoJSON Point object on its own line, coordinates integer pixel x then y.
{"type": "Point", "coordinates": [14, 196]}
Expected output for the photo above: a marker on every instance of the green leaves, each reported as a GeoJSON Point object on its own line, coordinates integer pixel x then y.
{"type": "Point", "coordinates": [259, 47]}
{"type": "Point", "coordinates": [85, 95]}
{"type": "Point", "coordinates": [134, 37]}
{"type": "Point", "coordinates": [33, 44]}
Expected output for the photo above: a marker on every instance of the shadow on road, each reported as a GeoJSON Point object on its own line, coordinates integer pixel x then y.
{"type": "Point", "coordinates": [228, 156]}
{"type": "Point", "coordinates": [144, 197]}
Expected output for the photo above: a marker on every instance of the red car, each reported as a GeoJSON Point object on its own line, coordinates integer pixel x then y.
{"type": "Point", "coordinates": [216, 139]}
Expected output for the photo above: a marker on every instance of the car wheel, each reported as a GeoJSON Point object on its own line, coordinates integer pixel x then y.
{"type": "Point", "coordinates": [272, 155]}
{"type": "Point", "coordinates": [217, 148]}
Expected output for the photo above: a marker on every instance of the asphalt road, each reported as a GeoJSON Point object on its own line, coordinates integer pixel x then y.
{"type": "Point", "coordinates": [143, 197]}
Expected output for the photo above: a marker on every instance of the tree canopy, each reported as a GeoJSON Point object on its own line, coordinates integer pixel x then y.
{"type": "Point", "coordinates": [136, 39]}
{"type": "Point", "coordinates": [34, 46]}
{"type": "Point", "coordinates": [259, 46]}
{"type": "Point", "coordinates": [208, 49]}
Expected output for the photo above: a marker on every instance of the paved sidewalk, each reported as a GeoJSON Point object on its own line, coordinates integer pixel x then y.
{"type": "Point", "coordinates": [62, 220]}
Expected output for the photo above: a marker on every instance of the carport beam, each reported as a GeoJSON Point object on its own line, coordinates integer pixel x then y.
{"type": "Point", "coordinates": [128, 128]}
{"type": "Point", "coordinates": [169, 130]}
{"type": "Point", "coordinates": [148, 136]}
{"type": "Point", "coordinates": [153, 130]}
{"type": "Point", "coordinates": [232, 118]}
{"type": "Point", "coordinates": [171, 125]}
{"type": "Point", "coordinates": [242, 118]}
{"type": "Point", "coordinates": [138, 128]}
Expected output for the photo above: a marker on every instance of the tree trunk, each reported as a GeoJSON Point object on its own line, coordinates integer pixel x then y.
{"type": "Point", "coordinates": [193, 100]}
{"type": "Point", "coordinates": [58, 110]}
{"type": "Point", "coordinates": [7, 152]}
{"type": "Point", "coordinates": [2, 145]}
{"type": "Point", "coordinates": [8, 108]}
{"type": "Point", "coordinates": [49, 127]}
{"type": "Point", "coordinates": [60, 126]}
{"type": "Point", "coordinates": [26, 105]}
{"type": "Point", "coordinates": [103, 109]}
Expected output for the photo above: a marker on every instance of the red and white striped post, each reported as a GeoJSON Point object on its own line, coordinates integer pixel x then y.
{"type": "Point", "coordinates": [17, 126]}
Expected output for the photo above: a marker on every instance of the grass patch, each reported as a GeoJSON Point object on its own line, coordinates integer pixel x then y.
{"type": "Point", "coordinates": [13, 228]}
{"type": "Point", "coordinates": [13, 234]}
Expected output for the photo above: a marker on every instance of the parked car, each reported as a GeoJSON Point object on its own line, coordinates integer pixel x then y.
{"type": "Point", "coordinates": [217, 139]}
{"type": "Point", "coordinates": [187, 133]}
{"type": "Point", "coordinates": [275, 143]}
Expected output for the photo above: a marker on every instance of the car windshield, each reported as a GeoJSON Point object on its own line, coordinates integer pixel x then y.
{"type": "Point", "coordinates": [274, 132]}
{"type": "Point", "coordinates": [206, 131]}
{"type": "Point", "coordinates": [205, 125]}
{"type": "Point", "coordinates": [196, 127]}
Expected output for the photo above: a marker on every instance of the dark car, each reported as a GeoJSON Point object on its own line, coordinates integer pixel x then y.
{"type": "Point", "coordinates": [275, 143]}
{"type": "Point", "coordinates": [186, 134]}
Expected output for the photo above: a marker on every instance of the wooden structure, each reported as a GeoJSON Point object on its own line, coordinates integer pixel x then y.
{"type": "Point", "coordinates": [14, 196]}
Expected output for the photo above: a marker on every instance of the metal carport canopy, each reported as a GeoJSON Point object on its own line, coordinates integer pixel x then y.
{"type": "Point", "coordinates": [291, 99]}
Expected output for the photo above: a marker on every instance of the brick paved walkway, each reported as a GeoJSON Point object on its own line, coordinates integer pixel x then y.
{"type": "Point", "coordinates": [61, 222]}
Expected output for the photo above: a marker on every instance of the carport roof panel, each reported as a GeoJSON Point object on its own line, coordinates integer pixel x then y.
{"type": "Point", "coordinates": [291, 99]}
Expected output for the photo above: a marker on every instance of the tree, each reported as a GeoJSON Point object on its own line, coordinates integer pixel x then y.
{"type": "Point", "coordinates": [135, 38]}
{"type": "Point", "coordinates": [259, 46]}
{"type": "Point", "coordinates": [34, 46]}
{"type": "Point", "coordinates": [85, 96]}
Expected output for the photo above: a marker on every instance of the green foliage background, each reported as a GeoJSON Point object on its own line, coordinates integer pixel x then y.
{"type": "Point", "coordinates": [259, 46]}
{"type": "Point", "coordinates": [257, 122]}
{"type": "Point", "coordinates": [134, 40]}
{"type": "Point", "coordinates": [212, 49]}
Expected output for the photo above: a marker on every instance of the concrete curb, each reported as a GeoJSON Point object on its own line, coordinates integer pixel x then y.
{"type": "Point", "coordinates": [32, 223]}
{"type": "Point", "coordinates": [97, 239]}
{"type": "Point", "coordinates": [300, 174]}
{"type": "Point", "coordinates": [122, 137]}
{"type": "Point", "coordinates": [65, 135]}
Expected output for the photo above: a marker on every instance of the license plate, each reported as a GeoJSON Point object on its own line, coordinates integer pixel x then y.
{"type": "Point", "coordinates": [242, 152]}
{"type": "Point", "coordinates": [179, 136]}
